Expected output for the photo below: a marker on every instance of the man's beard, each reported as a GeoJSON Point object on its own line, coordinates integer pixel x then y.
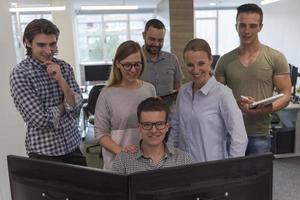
{"type": "Point", "coordinates": [153, 50]}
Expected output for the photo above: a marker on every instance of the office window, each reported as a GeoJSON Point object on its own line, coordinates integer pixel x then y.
{"type": "Point", "coordinates": [18, 27]}
{"type": "Point", "coordinates": [217, 27]}
{"type": "Point", "coordinates": [99, 35]}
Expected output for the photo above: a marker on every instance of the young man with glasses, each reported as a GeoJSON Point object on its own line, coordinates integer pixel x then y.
{"type": "Point", "coordinates": [153, 152]}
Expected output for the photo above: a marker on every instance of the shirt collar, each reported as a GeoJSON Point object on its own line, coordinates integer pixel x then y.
{"type": "Point", "coordinates": [161, 55]}
{"type": "Point", "coordinates": [205, 89]}
{"type": "Point", "coordinates": [169, 151]}
{"type": "Point", "coordinates": [208, 86]}
{"type": "Point", "coordinates": [36, 62]}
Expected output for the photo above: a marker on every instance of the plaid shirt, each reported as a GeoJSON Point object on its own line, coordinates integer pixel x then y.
{"type": "Point", "coordinates": [37, 96]}
{"type": "Point", "coordinates": [127, 163]}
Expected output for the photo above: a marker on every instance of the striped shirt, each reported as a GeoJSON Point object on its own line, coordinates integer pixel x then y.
{"type": "Point", "coordinates": [37, 96]}
{"type": "Point", "coordinates": [127, 163]}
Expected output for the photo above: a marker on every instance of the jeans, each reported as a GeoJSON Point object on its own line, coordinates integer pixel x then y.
{"type": "Point", "coordinates": [258, 144]}
{"type": "Point", "coordinates": [75, 158]}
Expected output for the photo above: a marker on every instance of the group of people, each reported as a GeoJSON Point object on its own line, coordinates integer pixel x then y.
{"type": "Point", "coordinates": [210, 120]}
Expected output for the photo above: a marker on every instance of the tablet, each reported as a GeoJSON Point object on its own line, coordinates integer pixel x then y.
{"type": "Point", "coordinates": [266, 101]}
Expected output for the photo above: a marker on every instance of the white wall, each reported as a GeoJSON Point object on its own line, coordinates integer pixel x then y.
{"type": "Point", "coordinates": [12, 132]}
{"type": "Point", "coordinates": [282, 28]}
{"type": "Point", "coordinates": [66, 41]}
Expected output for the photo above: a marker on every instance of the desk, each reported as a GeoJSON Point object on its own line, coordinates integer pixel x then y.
{"type": "Point", "coordinates": [294, 110]}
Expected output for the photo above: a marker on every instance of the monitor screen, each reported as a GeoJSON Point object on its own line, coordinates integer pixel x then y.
{"type": "Point", "coordinates": [244, 178]}
{"type": "Point", "coordinates": [97, 72]}
{"type": "Point", "coordinates": [32, 179]}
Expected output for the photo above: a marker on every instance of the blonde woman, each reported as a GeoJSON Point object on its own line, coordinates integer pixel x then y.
{"type": "Point", "coordinates": [207, 123]}
{"type": "Point", "coordinates": [115, 114]}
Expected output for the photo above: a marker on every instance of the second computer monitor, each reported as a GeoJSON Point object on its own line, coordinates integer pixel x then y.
{"type": "Point", "coordinates": [96, 73]}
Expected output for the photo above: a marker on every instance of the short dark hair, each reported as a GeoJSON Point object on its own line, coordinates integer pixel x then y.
{"type": "Point", "coordinates": [250, 8]}
{"type": "Point", "coordinates": [152, 104]}
{"type": "Point", "coordinates": [154, 23]}
{"type": "Point", "coordinates": [38, 26]}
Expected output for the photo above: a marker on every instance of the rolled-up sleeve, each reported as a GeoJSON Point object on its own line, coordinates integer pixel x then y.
{"type": "Point", "coordinates": [73, 110]}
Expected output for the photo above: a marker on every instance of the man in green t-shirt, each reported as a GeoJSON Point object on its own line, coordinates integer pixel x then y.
{"type": "Point", "coordinates": [255, 70]}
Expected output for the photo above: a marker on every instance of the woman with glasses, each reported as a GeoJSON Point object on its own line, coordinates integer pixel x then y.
{"type": "Point", "coordinates": [152, 153]}
{"type": "Point", "coordinates": [115, 118]}
{"type": "Point", "coordinates": [207, 122]}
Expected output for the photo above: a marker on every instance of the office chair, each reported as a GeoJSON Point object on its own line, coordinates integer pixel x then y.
{"type": "Point", "coordinates": [89, 110]}
{"type": "Point", "coordinates": [215, 60]}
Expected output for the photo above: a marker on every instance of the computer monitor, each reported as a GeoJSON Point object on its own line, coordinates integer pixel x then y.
{"type": "Point", "coordinates": [98, 72]}
{"type": "Point", "coordinates": [243, 178]}
{"type": "Point", "coordinates": [32, 179]}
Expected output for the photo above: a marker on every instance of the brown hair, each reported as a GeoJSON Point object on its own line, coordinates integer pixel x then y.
{"type": "Point", "coordinates": [152, 104]}
{"type": "Point", "coordinates": [124, 50]}
{"type": "Point", "coordinates": [35, 27]}
{"type": "Point", "coordinates": [198, 45]}
{"type": "Point", "coordinates": [154, 23]}
{"type": "Point", "coordinates": [250, 8]}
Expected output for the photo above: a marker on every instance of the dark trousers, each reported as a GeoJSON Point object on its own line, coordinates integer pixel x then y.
{"type": "Point", "coordinates": [75, 158]}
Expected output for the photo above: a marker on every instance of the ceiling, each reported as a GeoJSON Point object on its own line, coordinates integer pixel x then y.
{"type": "Point", "coordinates": [141, 3]}
{"type": "Point", "coordinates": [153, 3]}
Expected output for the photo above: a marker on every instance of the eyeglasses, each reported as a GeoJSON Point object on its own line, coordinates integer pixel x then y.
{"type": "Point", "coordinates": [149, 125]}
{"type": "Point", "coordinates": [128, 66]}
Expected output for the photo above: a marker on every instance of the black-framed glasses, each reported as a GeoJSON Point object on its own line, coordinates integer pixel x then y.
{"type": "Point", "coordinates": [149, 125]}
{"type": "Point", "coordinates": [128, 66]}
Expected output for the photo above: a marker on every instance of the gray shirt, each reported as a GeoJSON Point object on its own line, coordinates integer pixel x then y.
{"type": "Point", "coordinates": [115, 116]}
{"type": "Point", "coordinates": [209, 126]}
{"type": "Point", "coordinates": [162, 73]}
{"type": "Point", "coordinates": [127, 163]}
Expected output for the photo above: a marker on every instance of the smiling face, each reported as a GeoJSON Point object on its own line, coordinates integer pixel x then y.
{"type": "Point", "coordinates": [155, 135]}
{"type": "Point", "coordinates": [134, 61]}
{"type": "Point", "coordinates": [198, 65]}
{"type": "Point", "coordinates": [43, 47]}
{"type": "Point", "coordinates": [248, 26]}
{"type": "Point", "coordinates": [154, 40]}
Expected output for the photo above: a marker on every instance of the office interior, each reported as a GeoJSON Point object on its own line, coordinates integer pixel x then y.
{"type": "Point", "coordinates": [281, 31]}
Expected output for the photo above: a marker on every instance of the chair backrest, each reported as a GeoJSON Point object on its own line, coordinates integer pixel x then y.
{"type": "Point", "coordinates": [215, 60]}
{"type": "Point", "coordinates": [92, 100]}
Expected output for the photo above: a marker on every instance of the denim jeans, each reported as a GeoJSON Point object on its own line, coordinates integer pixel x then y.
{"type": "Point", "coordinates": [258, 144]}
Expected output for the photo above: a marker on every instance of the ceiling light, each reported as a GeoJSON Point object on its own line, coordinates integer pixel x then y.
{"type": "Point", "coordinates": [116, 7]}
{"type": "Point", "coordinates": [265, 2]}
{"type": "Point", "coordinates": [38, 9]}
{"type": "Point", "coordinates": [212, 4]}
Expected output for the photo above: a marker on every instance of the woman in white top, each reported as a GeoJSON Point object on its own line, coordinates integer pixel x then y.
{"type": "Point", "coordinates": [207, 123]}
{"type": "Point", "coordinates": [115, 114]}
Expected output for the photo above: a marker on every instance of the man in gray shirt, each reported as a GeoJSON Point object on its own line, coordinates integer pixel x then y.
{"type": "Point", "coordinates": [162, 68]}
{"type": "Point", "coordinates": [153, 152]}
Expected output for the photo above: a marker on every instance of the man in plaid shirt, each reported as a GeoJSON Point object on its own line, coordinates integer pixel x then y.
{"type": "Point", "coordinates": [48, 97]}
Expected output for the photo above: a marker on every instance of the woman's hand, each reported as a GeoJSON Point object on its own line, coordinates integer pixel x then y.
{"type": "Point", "coordinates": [130, 149]}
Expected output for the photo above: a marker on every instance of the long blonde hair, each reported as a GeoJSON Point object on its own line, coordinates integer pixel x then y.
{"type": "Point", "coordinates": [124, 50]}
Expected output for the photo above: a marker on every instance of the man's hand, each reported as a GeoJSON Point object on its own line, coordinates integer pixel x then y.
{"type": "Point", "coordinates": [244, 104]}
{"type": "Point", "coordinates": [53, 70]}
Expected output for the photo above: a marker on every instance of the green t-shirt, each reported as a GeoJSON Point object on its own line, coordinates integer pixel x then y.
{"type": "Point", "coordinates": [255, 80]}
